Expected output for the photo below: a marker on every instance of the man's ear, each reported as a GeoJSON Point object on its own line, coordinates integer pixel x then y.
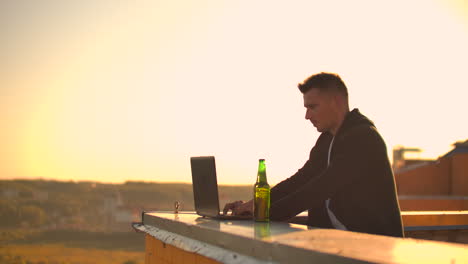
{"type": "Point", "coordinates": [338, 99]}
{"type": "Point", "coordinates": [335, 100]}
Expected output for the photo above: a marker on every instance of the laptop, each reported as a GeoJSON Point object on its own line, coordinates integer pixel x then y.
{"type": "Point", "coordinates": [205, 189]}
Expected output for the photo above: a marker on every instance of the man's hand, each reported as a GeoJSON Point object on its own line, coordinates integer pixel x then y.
{"type": "Point", "coordinates": [239, 208]}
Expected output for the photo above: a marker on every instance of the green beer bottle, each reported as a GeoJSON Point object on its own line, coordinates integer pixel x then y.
{"type": "Point", "coordinates": [261, 195]}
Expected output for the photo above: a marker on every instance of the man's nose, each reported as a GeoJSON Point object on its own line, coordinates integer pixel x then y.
{"type": "Point", "coordinates": [308, 114]}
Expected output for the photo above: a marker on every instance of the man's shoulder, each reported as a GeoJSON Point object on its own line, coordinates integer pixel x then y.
{"type": "Point", "coordinates": [356, 123]}
{"type": "Point", "coordinates": [366, 134]}
{"type": "Point", "coordinates": [363, 137]}
{"type": "Point", "coordinates": [359, 130]}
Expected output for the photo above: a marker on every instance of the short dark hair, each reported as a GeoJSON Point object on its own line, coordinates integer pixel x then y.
{"type": "Point", "coordinates": [324, 81]}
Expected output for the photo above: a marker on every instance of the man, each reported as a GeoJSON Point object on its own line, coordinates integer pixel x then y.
{"type": "Point", "coordinates": [347, 183]}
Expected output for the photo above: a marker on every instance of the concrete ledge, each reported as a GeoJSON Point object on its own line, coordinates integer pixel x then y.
{"type": "Point", "coordinates": [289, 243]}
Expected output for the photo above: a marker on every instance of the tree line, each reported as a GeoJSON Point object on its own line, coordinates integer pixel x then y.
{"type": "Point", "coordinates": [39, 203]}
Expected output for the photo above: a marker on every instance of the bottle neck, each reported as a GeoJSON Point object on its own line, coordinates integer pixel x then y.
{"type": "Point", "coordinates": [261, 175]}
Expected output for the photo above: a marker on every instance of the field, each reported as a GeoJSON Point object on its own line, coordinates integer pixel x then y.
{"type": "Point", "coordinates": [56, 222]}
{"type": "Point", "coordinates": [71, 247]}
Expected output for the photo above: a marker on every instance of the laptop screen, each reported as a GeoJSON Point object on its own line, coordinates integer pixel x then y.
{"type": "Point", "coordinates": [205, 185]}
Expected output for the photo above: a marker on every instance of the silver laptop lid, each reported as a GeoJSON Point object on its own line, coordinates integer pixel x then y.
{"type": "Point", "coordinates": [205, 186]}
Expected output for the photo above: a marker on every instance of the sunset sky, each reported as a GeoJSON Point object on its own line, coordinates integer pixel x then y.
{"type": "Point", "coordinates": [129, 90]}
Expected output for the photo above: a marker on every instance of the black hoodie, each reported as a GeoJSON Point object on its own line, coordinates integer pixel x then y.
{"type": "Point", "coordinates": [358, 181]}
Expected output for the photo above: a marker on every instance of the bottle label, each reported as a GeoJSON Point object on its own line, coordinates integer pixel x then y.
{"type": "Point", "coordinates": [262, 204]}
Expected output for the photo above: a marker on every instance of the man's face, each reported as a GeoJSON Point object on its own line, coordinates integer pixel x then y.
{"type": "Point", "coordinates": [321, 109]}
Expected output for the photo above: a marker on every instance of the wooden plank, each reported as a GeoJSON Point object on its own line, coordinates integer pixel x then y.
{"type": "Point", "coordinates": [435, 218]}
{"type": "Point", "coordinates": [149, 249]}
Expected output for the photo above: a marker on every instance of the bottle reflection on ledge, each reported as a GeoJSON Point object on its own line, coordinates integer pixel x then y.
{"type": "Point", "coordinates": [262, 229]}
{"type": "Point", "coordinates": [176, 210]}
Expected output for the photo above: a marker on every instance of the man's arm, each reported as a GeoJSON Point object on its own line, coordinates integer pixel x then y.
{"type": "Point", "coordinates": [311, 168]}
{"type": "Point", "coordinates": [361, 148]}
{"type": "Point", "coordinates": [278, 192]}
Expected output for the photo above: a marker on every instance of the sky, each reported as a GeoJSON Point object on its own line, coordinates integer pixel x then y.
{"type": "Point", "coordinates": [116, 91]}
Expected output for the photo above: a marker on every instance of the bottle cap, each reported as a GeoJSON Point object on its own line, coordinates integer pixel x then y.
{"type": "Point", "coordinates": [261, 160]}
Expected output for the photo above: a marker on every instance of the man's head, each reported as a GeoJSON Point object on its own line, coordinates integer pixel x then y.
{"type": "Point", "coordinates": [326, 101]}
